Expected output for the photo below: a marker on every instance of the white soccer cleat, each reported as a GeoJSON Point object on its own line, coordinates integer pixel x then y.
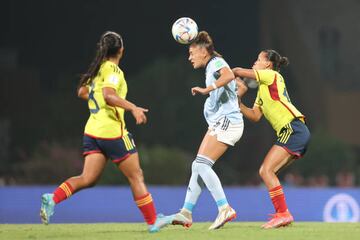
{"type": "Point", "coordinates": [225, 215]}
{"type": "Point", "coordinates": [183, 218]}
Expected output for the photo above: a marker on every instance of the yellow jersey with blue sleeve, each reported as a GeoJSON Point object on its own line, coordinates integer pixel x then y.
{"type": "Point", "coordinates": [273, 99]}
{"type": "Point", "coordinates": [105, 121]}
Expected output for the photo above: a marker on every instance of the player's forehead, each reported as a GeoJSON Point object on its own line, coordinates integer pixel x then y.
{"type": "Point", "coordinates": [262, 56]}
{"type": "Point", "coordinates": [194, 48]}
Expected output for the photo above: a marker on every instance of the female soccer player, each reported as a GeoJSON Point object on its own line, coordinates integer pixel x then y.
{"type": "Point", "coordinates": [105, 136]}
{"type": "Point", "coordinates": [221, 111]}
{"type": "Point", "coordinates": [274, 103]}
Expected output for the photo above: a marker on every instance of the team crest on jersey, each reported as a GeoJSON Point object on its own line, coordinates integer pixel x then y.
{"type": "Point", "coordinates": [219, 64]}
{"type": "Point", "coordinates": [114, 79]}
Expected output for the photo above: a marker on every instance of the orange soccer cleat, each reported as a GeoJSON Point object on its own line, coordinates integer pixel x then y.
{"type": "Point", "coordinates": [279, 220]}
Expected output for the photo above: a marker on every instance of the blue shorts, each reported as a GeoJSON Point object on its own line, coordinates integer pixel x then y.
{"type": "Point", "coordinates": [116, 150]}
{"type": "Point", "coordinates": [294, 138]}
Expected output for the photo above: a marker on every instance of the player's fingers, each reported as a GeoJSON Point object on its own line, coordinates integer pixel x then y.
{"type": "Point", "coordinates": [144, 109]}
{"type": "Point", "coordinates": [239, 81]}
{"type": "Point", "coordinates": [144, 119]}
{"type": "Point", "coordinates": [241, 84]}
{"type": "Point", "coordinates": [141, 118]}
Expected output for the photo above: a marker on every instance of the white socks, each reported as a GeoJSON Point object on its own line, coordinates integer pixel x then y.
{"type": "Point", "coordinates": [202, 166]}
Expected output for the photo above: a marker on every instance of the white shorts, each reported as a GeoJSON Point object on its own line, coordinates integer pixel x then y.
{"type": "Point", "coordinates": [227, 132]}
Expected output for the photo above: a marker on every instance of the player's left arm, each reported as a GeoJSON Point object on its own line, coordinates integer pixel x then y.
{"type": "Point", "coordinates": [254, 114]}
{"type": "Point", "coordinates": [226, 76]}
{"type": "Point", "coordinates": [83, 93]}
{"type": "Point", "coordinates": [113, 99]}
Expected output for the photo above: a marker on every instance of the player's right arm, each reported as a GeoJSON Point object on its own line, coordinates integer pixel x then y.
{"type": "Point", "coordinates": [244, 73]}
{"type": "Point", "coordinates": [264, 76]}
{"type": "Point", "coordinates": [112, 99]}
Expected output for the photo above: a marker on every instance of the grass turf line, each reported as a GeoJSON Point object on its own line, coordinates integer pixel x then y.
{"type": "Point", "coordinates": [236, 230]}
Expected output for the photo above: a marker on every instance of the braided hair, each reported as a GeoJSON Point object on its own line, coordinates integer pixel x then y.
{"type": "Point", "coordinates": [108, 46]}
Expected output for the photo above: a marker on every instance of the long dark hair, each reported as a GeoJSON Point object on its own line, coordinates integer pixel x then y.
{"type": "Point", "coordinates": [277, 60]}
{"type": "Point", "coordinates": [204, 39]}
{"type": "Point", "coordinates": [108, 46]}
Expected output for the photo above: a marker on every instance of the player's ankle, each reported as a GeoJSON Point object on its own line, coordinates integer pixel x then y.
{"type": "Point", "coordinates": [186, 212]}
{"type": "Point", "coordinates": [225, 206]}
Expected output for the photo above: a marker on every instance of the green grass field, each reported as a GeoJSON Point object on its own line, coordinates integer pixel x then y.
{"type": "Point", "coordinates": [243, 230]}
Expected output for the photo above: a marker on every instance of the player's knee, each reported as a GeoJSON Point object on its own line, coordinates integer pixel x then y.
{"type": "Point", "coordinates": [136, 176]}
{"type": "Point", "coordinates": [263, 171]}
{"type": "Point", "coordinates": [88, 181]}
{"type": "Point", "coordinates": [201, 164]}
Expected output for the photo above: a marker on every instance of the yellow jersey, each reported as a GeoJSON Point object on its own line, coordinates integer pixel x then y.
{"type": "Point", "coordinates": [106, 122]}
{"type": "Point", "coordinates": [273, 99]}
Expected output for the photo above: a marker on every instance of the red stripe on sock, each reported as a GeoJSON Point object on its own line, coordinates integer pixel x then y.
{"type": "Point", "coordinates": [275, 189]}
{"type": "Point", "coordinates": [147, 210]}
{"type": "Point", "coordinates": [141, 197]}
{"type": "Point", "coordinates": [60, 194]}
{"type": "Point", "coordinates": [278, 200]}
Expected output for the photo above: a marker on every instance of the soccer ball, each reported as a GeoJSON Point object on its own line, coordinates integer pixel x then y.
{"type": "Point", "coordinates": [184, 30]}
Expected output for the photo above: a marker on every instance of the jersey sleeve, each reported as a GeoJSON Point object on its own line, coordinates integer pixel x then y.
{"type": "Point", "coordinates": [219, 63]}
{"type": "Point", "coordinates": [265, 76]}
{"type": "Point", "coordinates": [111, 78]}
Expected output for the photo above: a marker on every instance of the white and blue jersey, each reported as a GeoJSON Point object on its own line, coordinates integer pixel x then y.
{"type": "Point", "coordinates": [222, 101]}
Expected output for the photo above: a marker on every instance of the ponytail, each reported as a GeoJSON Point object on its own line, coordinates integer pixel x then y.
{"type": "Point", "coordinates": [94, 67]}
{"type": "Point", "coordinates": [284, 61]}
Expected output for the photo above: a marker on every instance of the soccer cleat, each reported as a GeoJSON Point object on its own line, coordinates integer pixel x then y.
{"type": "Point", "coordinates": [47, 207]}
{"type": "Point", "coordinates": [225, 215]}
{"type": "Point", "coordinates": [161, 221]}
{"type": "Point", "coordinates": [279, 220]}
{"type": "Point", "coordinates": [183, 218]}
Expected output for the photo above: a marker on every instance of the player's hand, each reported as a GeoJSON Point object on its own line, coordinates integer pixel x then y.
{"type": "Point", "coordinates": [196, 90]}
{"type": "Point", "coordinates": [139, 115]}
{"type": "Point", "coordinates": [241, 87]}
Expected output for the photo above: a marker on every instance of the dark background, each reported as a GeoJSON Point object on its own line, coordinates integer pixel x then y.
{"type": "Point", "coordinates": [46, 45]}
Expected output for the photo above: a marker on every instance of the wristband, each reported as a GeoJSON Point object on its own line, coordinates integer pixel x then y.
{"type": "Point", "coordinates": [214, 86]}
